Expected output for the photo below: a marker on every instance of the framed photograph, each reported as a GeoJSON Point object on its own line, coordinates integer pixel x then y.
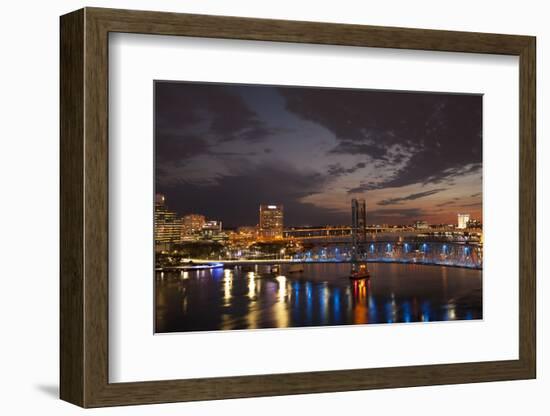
{"type": "Point", "coordinates": [256, 207]}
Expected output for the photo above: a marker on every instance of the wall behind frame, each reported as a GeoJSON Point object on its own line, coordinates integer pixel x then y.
{"type": "Point", "coordinates": [29, 161]}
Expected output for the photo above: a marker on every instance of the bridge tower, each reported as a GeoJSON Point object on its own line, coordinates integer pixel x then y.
{"type": "Point", "coordinates": [358, 229]}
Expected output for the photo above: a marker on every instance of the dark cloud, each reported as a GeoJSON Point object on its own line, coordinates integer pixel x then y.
{"type": "Point", "coordinates": [411, 197]}
{"type": "Point", "coordinates": [240, 154]}
{"type": "Point", "coordinates": [445, 204]}
{"type": "Point", "coordinates": [354, 148]}
{"type": "Point", "coordinates": [187, 115]}
{"type": "Point", "coordinates": [471, 205]}
{"type": "Point", "coordinates": [234, 198]}
{"type": "Point", "coordinates": [436, 135]}
{"type": "Point", "coordinates": [173, 148]}
{"type": "Point", "coordinates": [338, 170]}
{"type": "Point", "coordinates": [445, 176]}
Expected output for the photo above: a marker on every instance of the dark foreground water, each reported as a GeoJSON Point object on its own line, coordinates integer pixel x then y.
{"type": "Point", "coordinates": [253, 297]}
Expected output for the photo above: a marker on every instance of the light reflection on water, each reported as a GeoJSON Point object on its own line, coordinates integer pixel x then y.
{"type": "Point", "coordinates": [256, 296]}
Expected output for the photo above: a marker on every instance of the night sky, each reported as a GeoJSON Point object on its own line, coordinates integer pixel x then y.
{"type": "Point", "coordinates": [223, 149]}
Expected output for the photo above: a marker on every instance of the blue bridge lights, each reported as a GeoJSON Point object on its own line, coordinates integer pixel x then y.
{"type": "Point", "coordinates": [420, 252]}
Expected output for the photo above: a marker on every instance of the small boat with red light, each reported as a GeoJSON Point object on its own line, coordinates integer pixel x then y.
{"type": "Point", "coordinates": [359, 271]}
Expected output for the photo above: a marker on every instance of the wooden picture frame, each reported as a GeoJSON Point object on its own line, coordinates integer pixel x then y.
{"type": "Point", "coordinates": [84, 207]}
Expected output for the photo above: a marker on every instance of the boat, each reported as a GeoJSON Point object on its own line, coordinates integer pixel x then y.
{"type": "Point", "coordinates": [359, 271]}
{"type": "Point", "coordinates": [296, 268]}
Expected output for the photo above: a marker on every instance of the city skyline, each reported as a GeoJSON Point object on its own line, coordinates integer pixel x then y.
{"type": "Point", "coordinates": [197, 220]}
{"type": "Point", "coordinates": [223, 149]}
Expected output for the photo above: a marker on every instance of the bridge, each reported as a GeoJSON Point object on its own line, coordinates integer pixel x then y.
{"type": "Point", "coordinates": [331, 231]}
{"type": "Point", "coordinates": [345, 234]}
{"type": "Point", "coordinates": [423, 252]}
{"type": "Point", "coordinates": [417, 252]}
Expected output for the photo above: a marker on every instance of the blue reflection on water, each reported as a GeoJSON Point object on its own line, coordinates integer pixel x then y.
{"type": "Point", "coordinates": [309, 302]}
{"type": "Point", "coordinates": [373, 312]}
{"type": "Point", "coordinates": [296, 288]}
{"type": "Point", "coordinates": [426, 311]}
{"type": "Point", "coordinates": [389, 312]}
{"type": "Point", "coordinates": [336, 305]}
{"type": "Point", "coordinates": [406, 308]}
{"type": "Point", "coordinates": [217, 273]}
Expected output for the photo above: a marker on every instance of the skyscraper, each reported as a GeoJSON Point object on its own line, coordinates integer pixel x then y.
{"type": "Point", "coordinates": [271, 221]}
{"type": "Point", "coordinates": [159, 200]}
{"type": "Point", "coordinates": [463, 221]}
{"type": "Point", "coordinates": [167, 223]}
{"type": "Point", "coordinates": [358, 227]}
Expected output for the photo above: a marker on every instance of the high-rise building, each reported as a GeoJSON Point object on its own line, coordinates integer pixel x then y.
{"type": "Point", "coordinates": [192, 225]}
{"type": "Point", "coordinates": [167, 224]}
{"type": "Point", "coordinates": [358, 226]}
{"type": "Point", "coordinates": [463, 221]}
{"type": "Point", "coordinates": [271, 221]}
{"type": "Point", "coordinates": [159, 199]}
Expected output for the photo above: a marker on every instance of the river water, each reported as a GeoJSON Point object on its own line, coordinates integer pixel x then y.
{"type": "Point", "coordinates": [255, 296]}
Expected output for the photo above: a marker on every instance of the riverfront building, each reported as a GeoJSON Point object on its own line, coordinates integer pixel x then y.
{"type": "Point", "coordinates": [167, 224]}
{"type": "Point", "coordinates": [463, 221]}
{"type": "Point", "coordinates": [192, 225]}
{"type": "Point", "coordinates": [271, 222]}
{"type": "Point", "coordinates": [212, 230]}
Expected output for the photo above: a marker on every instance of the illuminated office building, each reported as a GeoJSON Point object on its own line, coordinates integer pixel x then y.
{"type": "Point", "coordinates": [212, 230]}
{"type": "Point", "coordinates": [271, 221]}
{"type": "Point", "coordinates": [192, 225]}
{"type": "Point", "coordinates": [463, 221]}
{"type": "Point", "coordinates": [167, 224]}
{"type": "Point", "coordinates": [247, 232]}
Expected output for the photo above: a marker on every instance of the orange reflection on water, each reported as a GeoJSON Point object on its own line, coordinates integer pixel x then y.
{"type": "Point", "coordinates": [280, 308]}
{"type": "Point", "coordinates": [361, 311]}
